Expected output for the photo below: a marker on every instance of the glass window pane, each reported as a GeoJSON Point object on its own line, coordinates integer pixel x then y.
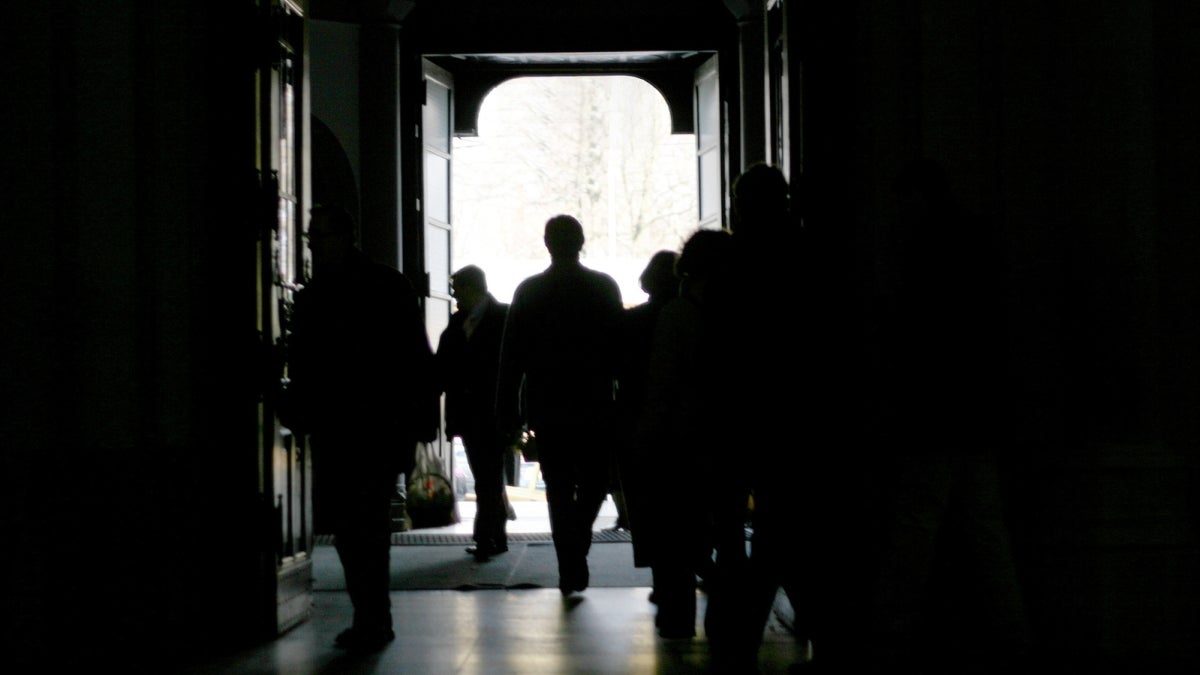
{"type": "Point", "coordinates": [437, 187]}
{"type": "Point", "coordinates": [436, 318]}
{"type": "Point", "coordinates": [437, 116]}
{"type": "Point", "coordinates": [707, 112]}
{"type": "Point", "coordinates": [710, 184]}
{"type": "Point", "coordinates": [437, 259]}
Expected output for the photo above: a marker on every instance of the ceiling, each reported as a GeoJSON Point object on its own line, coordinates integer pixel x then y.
{"type": "Point", "coordinates": [483, 43]}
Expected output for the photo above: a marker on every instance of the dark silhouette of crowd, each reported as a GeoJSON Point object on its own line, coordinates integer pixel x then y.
{"type": "Point", "coordinates": [776, 423]}
{"type": "Point", "coordinates": [677, 466]}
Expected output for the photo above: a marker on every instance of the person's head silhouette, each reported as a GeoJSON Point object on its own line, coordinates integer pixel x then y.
{"type": "Point", "coordinates": [563, 238]}
{"type": "Point", "coordinates": [761, 200]}
{"type": "Point", "coordinates": [331, 235]}
{"type": "Point", "coordinates": [703, 253]}
{"type": "Point", "coordinates": [469, 287]}
{"type": "Point", "coordinates": [659, 279]}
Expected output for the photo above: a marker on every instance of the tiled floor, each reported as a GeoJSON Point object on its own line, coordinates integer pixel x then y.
{"type": "Point", "coordinates": [601, 631]}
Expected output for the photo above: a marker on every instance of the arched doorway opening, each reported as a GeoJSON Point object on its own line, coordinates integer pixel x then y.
{"type": "Point", "coordinates": [600, 147]}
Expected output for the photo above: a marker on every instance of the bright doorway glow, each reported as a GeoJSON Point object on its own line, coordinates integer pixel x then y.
{"type": "Point", "coordinates": [595, 147]}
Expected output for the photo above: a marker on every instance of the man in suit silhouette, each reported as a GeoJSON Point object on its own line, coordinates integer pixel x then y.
{"type": "Point", "coordinates": [468, 356]}
{"type": "Point", "coordinates": [557, 376]}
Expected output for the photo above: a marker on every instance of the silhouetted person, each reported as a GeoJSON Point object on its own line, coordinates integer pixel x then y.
{"type": "Point", "coordinates": [832, 513]}
{"type": "Point", "coordinates": [557, 375]}
{"type": "Point", "coordinates": [947, 576]}
{"type": "Point", "coordinates": [674, 459]}
{"type": "Point", "coordinates": [635, 336]}
{"type": "Point", "coordinates": [755, 313]}
{"type": "Point", "coordinates": [362, 387]}
{"type": "Point", "coordinates": [468, 356]}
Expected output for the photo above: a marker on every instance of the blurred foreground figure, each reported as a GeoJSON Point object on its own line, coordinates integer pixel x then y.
{"type": "Point", "coordinates": [362, 387]}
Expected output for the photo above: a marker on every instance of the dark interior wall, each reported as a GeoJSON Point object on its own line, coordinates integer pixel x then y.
{"type": "Point", "coordinates": [1176, 243]}
{"type": "Point", "coordinates": [129, 347]}
{"type": "Point", "coordinates": [334, 84]}
{"type": "Point", "coordinates": [1176, 249]}
{"type": "Point", "coordinates": [1078, 166]}
{"type": "Point", "coordinates": [1067, 127]}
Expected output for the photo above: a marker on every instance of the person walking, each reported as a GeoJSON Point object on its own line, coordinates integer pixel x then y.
{"type": "Point", "coordinates": [557, 379]}
{"type": "Point", "coordinates": [675, 463]}
{"type": "Point", "coordinates": [635, 336]}
{"type": "Point", "coordinates": [759, 380]}
{"type": "Point", "coordinates": [355, 324]}
{"type": "Point", "coordinates": [468, 357]}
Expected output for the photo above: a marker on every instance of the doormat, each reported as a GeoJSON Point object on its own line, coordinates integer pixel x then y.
{"type": "Point", "coordinates": [419, 538]}
{"type": "Point", "coordinates": [449, 568]}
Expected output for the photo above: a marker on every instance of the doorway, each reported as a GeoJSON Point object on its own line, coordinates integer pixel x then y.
{"type": "Point", "coordinates": [599, 147]}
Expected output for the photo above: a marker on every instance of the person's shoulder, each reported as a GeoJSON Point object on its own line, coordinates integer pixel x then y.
{"type": "Point", "coordinates": [601, 277]}
{"type": "Point", "coordinates": [531, 282]}
{"type": "Point", "coordinates": [677, 307]}
{"type": "Point", "coordinates": [640, 311]}
{"type": "Point", "coordinates": [384, 273]}
{"type": "Point", "coordinates": [592, 271]}
{"type": "Point", "coordinates": [446, 338]}
{"type": "Point", "coordinates": [533, 279]}
{"type": "Point", "coordinates": [639, 318]}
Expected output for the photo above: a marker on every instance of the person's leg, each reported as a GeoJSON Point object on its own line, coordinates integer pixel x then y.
{"type": "Point", "coordinates": [770, 549]}
{"type": "Point", "coordinates": [575, 466]}
{"type": "Point", "coordinates": [591, 465]}
{"type": "Point", "coordinates": [560, 503]}
{"type": "Point", "coordinates": [473, 461]}
{"type": "Point", "coordinates": [363, 542]}
{"type": "Point", "coordinates": [616, 488]}
{"type": "Point", "coordinates": [511, 467]}
{"type": "Point", "coordinates": [728, 572]}
{"type": "Point", "coordinates": [917, 512]}
{"type": "Point", "coordinates": [989, 565]}
{"type": "Point", "coordinates": [485, 455]}
{"type": "Point", "coordinates": [673, 567]}
{"type": "Point", "coordinates": [675, 597]}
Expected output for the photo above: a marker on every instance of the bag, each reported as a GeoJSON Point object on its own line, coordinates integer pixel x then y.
{"type": "Point", "coordinates": [430, 500]}
{"type": "Point", "coordinates": [526, 444]}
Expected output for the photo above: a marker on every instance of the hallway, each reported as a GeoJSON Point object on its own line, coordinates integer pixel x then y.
{"type": "Point", "coordinates": [602, 630]}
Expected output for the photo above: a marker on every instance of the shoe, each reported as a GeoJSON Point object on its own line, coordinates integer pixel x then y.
{"type": "Point", "coordinates": [577, 582]}
{"type": "Point", "coordinates": [675, 623]}
{"type": "Point", "coordinates": [364, 639]}
{"type": "Point", "coordinates": [680, 632]}
{"type": "Point", "coordinates": [568, 588]}
{"type": "Point", "coordinates": [485, 552]}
